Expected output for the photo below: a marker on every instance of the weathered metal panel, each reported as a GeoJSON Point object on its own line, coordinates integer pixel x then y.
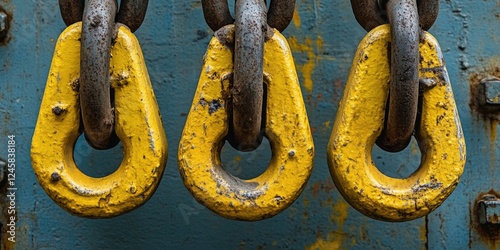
{"type": "Point", "coordinates": [323, 37]}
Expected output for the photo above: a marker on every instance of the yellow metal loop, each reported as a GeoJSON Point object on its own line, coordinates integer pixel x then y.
{"type": "Point", "coordinates": [359, 122]}
{"type": "Point", "coordinates": [286, 127]}
{"type": "Point", "coordinates": [138, 125]}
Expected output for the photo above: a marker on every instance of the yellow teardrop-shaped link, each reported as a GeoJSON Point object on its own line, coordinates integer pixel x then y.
{"type": "Point", "coordinates": [360, 120]}
{"type": "Point", "coordinates": [286, 127]}
{"type": "Point", "coordinates": [137, 123]}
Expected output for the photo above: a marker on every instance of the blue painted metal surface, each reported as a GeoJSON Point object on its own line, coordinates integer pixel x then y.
{"type": "Point", "coordinates": [323, 37]}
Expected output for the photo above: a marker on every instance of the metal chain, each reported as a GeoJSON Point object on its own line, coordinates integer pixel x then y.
{"type": "Point", "coordinates": [401, 113]}
{"type": "Point", "coordinates": [131, 13]}
{"type": "Point", "coordinates": [98, 25]}
{"type": "Point", "coordinates": [95, 98]}
{"type": "Point", "coordinates": [217, 14]}
{"type": "Point", "coordinates": [71, 11]}
{"type": "Point", "coordinates": [371, 13]}
{"type": "Point", "coordinates": [248, 88]}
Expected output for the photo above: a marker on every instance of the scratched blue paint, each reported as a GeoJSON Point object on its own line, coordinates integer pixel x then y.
{"type": "Point", "coordinates": [174, 37]}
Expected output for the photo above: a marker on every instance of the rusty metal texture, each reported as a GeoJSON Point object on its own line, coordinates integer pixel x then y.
{"type": "Point", "coordinates": [428, 11]}
{"type": "Point", "coordinates": [132, 13]}
{"type": "Point", "coordinates": [280, 14]}
{"type": "Point", "coordinates": [488, 210]}
{"type": "Point", "coordinates": [372, 13]}
{"type": "Point", "coordinates": [71, 10]}
{"type": "Point", "coordinates": [367, 13]}
{"type": "Point", "coordinates": [95, 99]}
{"type": "Point", "coordinates": [217, 15]}
{"type": "Point", "coordinates": [247, 91]}
{"type": "Point", "coordinates": [403, 95]}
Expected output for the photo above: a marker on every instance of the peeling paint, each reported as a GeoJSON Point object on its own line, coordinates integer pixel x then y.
{"type": "Point", "coordinates": [296, 19]}
{"type": "Point", "coordinates": [311, 49]}
{"type": "Point", "coordinates": [331, 242]}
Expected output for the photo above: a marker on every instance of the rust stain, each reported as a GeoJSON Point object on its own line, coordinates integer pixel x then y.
{"type": "Point", "coordinates": [489, 116]}
{"type": "Point", "coordinates": [493, 140]}
{"type": "Point", "coordinates": [338, 89]}
{"type": "Point", "coordinates": [488, 234]}
{"type": "Point", "coordinates": [4, 35]}
{"type": "Point", "coordinates": [315, 189]}
{"type": "Point", "coordinates": [475, 94]}
{"type": "Point", "coordinates": [322, 186]}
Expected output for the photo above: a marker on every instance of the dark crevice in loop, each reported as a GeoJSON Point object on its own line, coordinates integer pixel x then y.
{"type": "Point", "coordinates": [247, 90]}
{"type": "Point", "coordinates": [98, 27]}
{"type": "Point", "coordinates": [132, 13]}
{"type": "Point", "coordinates": [217, 15]}
{"type": "Point", "coordinates": [71, 11]}
{"type": "Point", "coordinates": [403, 94]}
{"type": "Point", "coordinates": [371, 13]}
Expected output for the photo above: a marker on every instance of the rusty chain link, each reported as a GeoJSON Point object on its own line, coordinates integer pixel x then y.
{"type": "Point", "coordinates": [95, 97]}
{"type": "Point", "coordinates": [401, 113]}
{"type": "Point", "coordinates": [371, 13]}
{"type": "Point", "coordinates": [251, 30]}
{"type": "Point", "coordinates": [131, 13]}
{"type": "Point", "coordinates": [248, 88]}
{"type": "Point", "coordinates": [217, 14]}
{"type": "Point", "coordinates": [71, 11]}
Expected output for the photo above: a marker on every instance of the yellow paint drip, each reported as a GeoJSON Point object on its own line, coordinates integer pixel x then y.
{"type": "Point", "coordinates": [423, 232]}
{"type": "Point", "coordinates": [296, 18]}
{"type": "Point", "coordinates": [339, 213]}
{"type": "Point", "coordinates": [359, 121]}
{"type": "Point", "coordinates": [311, 49]}
{"type": "Point", "coordinates": [331, 243]}
{"type": "Point", "coordinates": [287, 129]}
{"type": "Point", "coordinates": [137, 124]}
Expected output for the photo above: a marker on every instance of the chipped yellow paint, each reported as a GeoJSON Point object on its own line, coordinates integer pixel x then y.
{"type": "Point", "coordinates": [137, 124]}
{"type": "Point", "coordinates": [287, 129]}
{"type": "Point", "coordinates": [423, 233]}
{"type": "Point", "coordinates": [337, 217]}
{"type": "Point", "coordinates": [359, 122]}
{"type": "Point", "coordinates": [296, 18]}
{"type": "Point", "coordinates": [327, 124]}
{"type": "Point", "coordinates": [493, 142]}
{"type": "Point", "coordinates": [332, 242]}
{"type": "Point", "coordinates": [237, 158]}
{"type": "Point", "coordinates": [307, 68]}
{"type": "Point", "coordinates": [339, 214]}
{"type": "Point", "coordinates": [319, 43]}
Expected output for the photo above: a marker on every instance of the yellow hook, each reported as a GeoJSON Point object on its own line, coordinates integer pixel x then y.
{"type": "Point", "coordinates": [137, 124]}
{"type": "Point", "coordinates": [286, 127]}
{"type": "Point", "coordinates": [360, 120]}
